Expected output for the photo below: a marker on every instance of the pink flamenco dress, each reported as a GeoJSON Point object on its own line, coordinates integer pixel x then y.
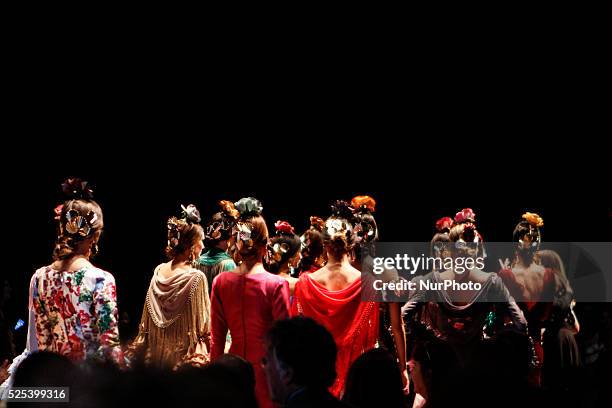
{"type": "Point", "coordinates": [247, 306]}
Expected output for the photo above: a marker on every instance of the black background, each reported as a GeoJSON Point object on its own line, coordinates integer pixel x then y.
{"type": "Point", "coordinates": [155, 124]}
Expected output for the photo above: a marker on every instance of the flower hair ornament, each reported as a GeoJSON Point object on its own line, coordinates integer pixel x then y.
{"type": "Point", "coordinates": [465, 215]}
{"type": "Point", "coordinates": [363, 203]}
{"type": "Point", "coordinates": [533, 219]}
{"type": "Point", "coordinates": [75, 224]}
{"type": "Point", "coordinates": [229, 210]}
{"type": "Point", "coordinates": [243, 234]}
{"type": "Point", "coordinates": [444, 224]}
{"type": "Point", "coordinates": [215, 230]}
{"type": "Point", "coordinates": [535, 222]}
{"type": "Point", "coordinates": [248, 207]}
{"type": "Point", "coordinates": [317, 223]}
{"type": "Point", "coordinates": [342, 209]}
{"type": "Point", "coordinates": [467, 218]}
{"type": "Point", "coordinates": [191, 214]}
{"type": "Point", "coordinates": [58, 212]}
{"type": "Point", "coordinates": [75, 188]}
{"type": "Point", "coordinates": [364, 233]}
{"type": "Point", "coordinates": [283, 227]}
{"type": "Point", "coordinates": [340, 221]}
{"type": "Point", "coordinates": [277, 250]}
{"type": "Point", "coordinates": [174, 234]}
{"type": "Point", "coordinates": [78, 226]}
{"type": "Point", "coordinates": [336, 225]}
{"type": "Point", "coordinates": [365, 229]}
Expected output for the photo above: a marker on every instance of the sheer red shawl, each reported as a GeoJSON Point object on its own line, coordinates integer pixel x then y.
{"type": "Point", "coordinates": [352, 323]}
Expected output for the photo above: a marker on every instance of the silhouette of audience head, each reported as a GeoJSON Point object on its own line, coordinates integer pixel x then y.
{"type": "Point", "coordinates": [301, 354]}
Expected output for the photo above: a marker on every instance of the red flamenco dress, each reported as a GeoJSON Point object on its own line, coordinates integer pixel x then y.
{"type": "Point", "coordinates": [247, 306]}
{"type": "Point", "coordinates": [352, 323]}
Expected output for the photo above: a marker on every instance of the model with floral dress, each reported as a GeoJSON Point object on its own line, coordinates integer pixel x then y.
{"type": "Point", "coordinates": [72, 303]}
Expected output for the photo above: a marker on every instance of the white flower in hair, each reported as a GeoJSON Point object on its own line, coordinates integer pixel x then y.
{"type": "Point", "coordinates": [244, 232]}
{"type": "Point", "coordinates": [333, 226]}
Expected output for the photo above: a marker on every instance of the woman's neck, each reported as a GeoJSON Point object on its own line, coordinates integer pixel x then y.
{"type": "Point", "coordinates": [247, 267]}
{"type": "Point", "coordinates": [285, 270]}
{"type": "Point", "coordinates": [180, 260]}
{"type": "Point", "coordinates": [337, 261]}
{"type": "Point", "coordinates": [75, 262]}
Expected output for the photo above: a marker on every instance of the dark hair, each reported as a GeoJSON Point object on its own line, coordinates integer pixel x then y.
{"type": "Point", "coordinates": [308, 348]}
{"type": "Point", "coordinates": [311, 248]}
{"type": "Point", "coordinates": [282, 247]}
{"type": "Point", "coordinates": [45, 369]}
{"type": "Point", "coordinates": [374, 380]}
{"type": "Point", "coordinates": [183, 233]}
{"type": "Point", "coordinates": [239, 372]}
{"type": "Point", "coordinates": [78, 220]}
{"type": "Point", "coordinates": [219, 227]}
{"type": "Point", "coordinates": [469, 234]}
{"type": "Point", "coordinates": [522, 229]}
{"type": "Point", "coordinates": [250, 219]}
{"type": "Point", "coordinates": [366, 232]}
{"type": "Point", "coordinates": [259, 236]}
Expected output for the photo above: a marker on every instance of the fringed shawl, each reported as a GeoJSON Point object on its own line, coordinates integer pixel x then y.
{"type": "Point", "coordinates": [175, 324]}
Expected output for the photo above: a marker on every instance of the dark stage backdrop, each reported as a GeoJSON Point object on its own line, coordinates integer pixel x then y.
{"type": "Point", "coordinates": [138, 198]}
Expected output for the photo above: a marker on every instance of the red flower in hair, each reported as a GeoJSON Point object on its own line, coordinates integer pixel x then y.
{"type": "Point", "coordinates": [58, 211]}
{"type": "Point", "coordinates": [284, 227]}
{"type": "Point", "coordinates": [465, 215]}
{"type": "Point", "coordinates": [444, 223]}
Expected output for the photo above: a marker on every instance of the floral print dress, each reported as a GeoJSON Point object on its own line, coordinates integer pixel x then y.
{"type": "Point", "coordinates": [75, 313]}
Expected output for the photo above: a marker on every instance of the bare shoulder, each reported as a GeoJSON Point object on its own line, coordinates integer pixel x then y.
{"type": "Point", "coordinates": [316, 275]}
{"type": "Point", "coordinates": [537, 268]}
{"type": "Point", "coordinates": [352, 274]}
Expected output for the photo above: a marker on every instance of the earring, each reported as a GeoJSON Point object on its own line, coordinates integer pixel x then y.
{"type": "Point", "coordinates": [192, 259]}
{"type": "Point", "coordinates": [95, 250]}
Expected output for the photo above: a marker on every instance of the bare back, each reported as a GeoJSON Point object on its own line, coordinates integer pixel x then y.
{"type": "Point", "coordinates": [336, 276]}
{"type": "Point", "coordinates": [531, 279]}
